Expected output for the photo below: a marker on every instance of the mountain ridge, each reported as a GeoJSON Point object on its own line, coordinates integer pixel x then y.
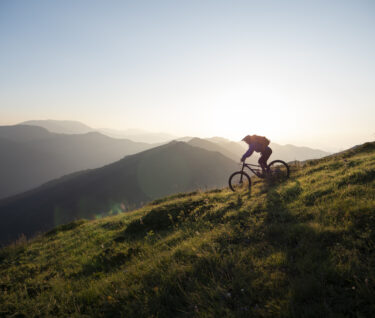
{"type": "Point", "coordinates": [60, 126]}
{"type": "Point", "coordinates": [68, 127]}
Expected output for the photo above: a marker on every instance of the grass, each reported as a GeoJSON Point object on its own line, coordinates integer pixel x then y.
{"type": "Point", "coordinates": [302, 248]}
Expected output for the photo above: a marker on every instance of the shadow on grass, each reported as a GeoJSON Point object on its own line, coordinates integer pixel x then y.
{"type": "Point", "coordinates": [159, 219]}
{"type": "Point", "coordinates": [316, 287]}
{"type": "Point", "coordinates": [108, 260]}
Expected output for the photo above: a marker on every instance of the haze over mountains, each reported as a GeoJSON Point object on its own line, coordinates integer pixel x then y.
{"type": "Point", "coordinates": [31, 156]}
{"type": "Point", "coordinates": [60, 126]}
{"type": "Point", "coordinates": [76, 127]}
{"type": "Point", "coordinates": [138, 135]}
{"type": "Point", "coordinates": [123, 185]}
{"type": "Point", "coordinates": [231, 149]}
{"type": "Point", "coordinates": [235, 150]}
{"type": "Point", "coordinates": [35, 153]}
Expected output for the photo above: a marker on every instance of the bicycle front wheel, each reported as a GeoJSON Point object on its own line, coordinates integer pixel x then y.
{"type": "Point", "coordinates": [239, 181]}
{"type": "Point", "coordinates": [278, 170]}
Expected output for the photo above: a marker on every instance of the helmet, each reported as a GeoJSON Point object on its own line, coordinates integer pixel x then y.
{"type": "Point", "coordinates": [247, 139]}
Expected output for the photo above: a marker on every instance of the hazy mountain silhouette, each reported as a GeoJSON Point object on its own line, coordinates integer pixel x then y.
{"type": "Point", "coordinates": [31, 156]}
{"type": "Point", "coordinates": [224, 149]}
{"type": "Point", "coordinates": [237, 149]}
{"type": "Point", "coordinates": [60, 126]}
{"type": "Point", "coordinates": [23, 167]}
{"type": "Point", "coordinates": [284, 152]}
{"type": "Point", "coordinates": [128, 183]}
{"type": "Point", "coordinates": [291, 152]}
{"type": "Point", "coordinates": [21, 133]}
{"type": "Point", "coordinates": [184, 139]}
{"type": "Point", "coordinates": [76, 127]}
{"type": "Point", "coordinates": [138, 135]}
{"type": "Point", "coordinates": [219, 140]}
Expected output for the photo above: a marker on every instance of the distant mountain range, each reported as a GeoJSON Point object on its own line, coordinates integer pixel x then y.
{"type": "Point", "coordinates": [231, 149]}
{"type": "Point", "coordinates": [291, 153]}
{"type": "Point", "coordinates": [138, 135]}
{"type": "Point", "coordinates": [60, 126]}
{"type": "Point", "coordinates": [31, 156]}
{"type": "Point", "coordinates": [76, 127]}
{"type": "Point", "coordinates": [235, 150]}
{"type": "Point", "coordinates": [123, 185]}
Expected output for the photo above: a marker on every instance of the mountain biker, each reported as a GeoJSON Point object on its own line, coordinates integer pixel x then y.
{"type": "Point", "coordinates": [258, 144]}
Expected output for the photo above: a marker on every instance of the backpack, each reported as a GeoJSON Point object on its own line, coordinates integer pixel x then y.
{"type": "Point", "coordinates": [263, 141]}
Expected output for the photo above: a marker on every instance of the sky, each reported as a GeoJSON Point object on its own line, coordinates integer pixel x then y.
{"type": "Point", "coordinates": [300, 72]}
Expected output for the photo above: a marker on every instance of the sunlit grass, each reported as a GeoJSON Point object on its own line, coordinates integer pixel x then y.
{"type": "Point", "coordinates": [303, 248]}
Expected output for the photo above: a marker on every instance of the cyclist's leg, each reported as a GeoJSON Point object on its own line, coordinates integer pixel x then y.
{"type": "Point", "coordinates": [266, 154]}
{"type": "Point", "coordinates": [262, 163]}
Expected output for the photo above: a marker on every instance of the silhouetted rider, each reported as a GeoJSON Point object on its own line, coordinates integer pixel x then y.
{"type": "Point", "coordinates": [258, 144]}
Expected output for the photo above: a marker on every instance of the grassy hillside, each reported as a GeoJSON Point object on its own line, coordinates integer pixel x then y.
{"type": "Point", "coordinates": [304, 248]}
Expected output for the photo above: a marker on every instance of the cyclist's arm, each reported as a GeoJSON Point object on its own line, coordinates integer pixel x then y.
{"type": "Point", "coordinates": [248, 153]}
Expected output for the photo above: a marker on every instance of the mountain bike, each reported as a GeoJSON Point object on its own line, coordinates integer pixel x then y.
{"type": "Point", "coordinates": [276, 170]}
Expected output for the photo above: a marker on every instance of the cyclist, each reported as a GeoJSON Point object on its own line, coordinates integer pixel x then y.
{"type": "Point", "coordinates": [258, 144]}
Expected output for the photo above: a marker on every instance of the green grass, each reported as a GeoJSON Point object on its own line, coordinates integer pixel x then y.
{"type": "Point", "coordinates": [302, 248]}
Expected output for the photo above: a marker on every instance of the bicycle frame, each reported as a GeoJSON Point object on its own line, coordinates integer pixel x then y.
{"type": "Point", "coordinates": [276, 170]}
{"type": "Point", "coordinates": [258, 171]}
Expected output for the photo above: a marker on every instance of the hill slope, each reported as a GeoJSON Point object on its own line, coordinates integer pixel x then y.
{"type": "Point", "coordinates": [31, 156]}
{"type": "Point", "coordinates": [120, 186]}
{"type": "Point", "coordinates": [303, 248]}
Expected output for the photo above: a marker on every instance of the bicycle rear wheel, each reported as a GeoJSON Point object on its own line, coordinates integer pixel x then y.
{"type": "Point", "coordinates": [278, 170]}
{"type": "Point", "coordinates": [239, 181]}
